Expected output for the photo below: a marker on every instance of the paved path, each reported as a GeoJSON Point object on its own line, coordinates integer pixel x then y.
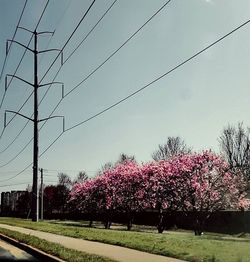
{"type": "Point", "coordinates": [114, 252]}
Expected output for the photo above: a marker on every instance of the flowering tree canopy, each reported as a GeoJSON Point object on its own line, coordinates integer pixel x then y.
{"type": "Point", "coordinates": [200, 183]}
{"type": "Point", "coordinates": [208, 183]}
{"type": "Point", "coordinates": [125, 189]}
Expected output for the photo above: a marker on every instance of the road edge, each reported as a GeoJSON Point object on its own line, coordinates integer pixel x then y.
{"type": "Point", "coordinates": [31, 250]}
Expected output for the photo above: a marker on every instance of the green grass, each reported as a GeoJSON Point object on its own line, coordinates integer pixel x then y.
{"type": "Point", "coordinates": [183, 245]}
{"type": "Point", "coordinates": [54, 249]}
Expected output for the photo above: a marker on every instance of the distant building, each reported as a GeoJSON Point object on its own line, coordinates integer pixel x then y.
{"type": "Point", "coordinates": [5, 202]}
{"type": "Point", "coordinates": [9, 200]}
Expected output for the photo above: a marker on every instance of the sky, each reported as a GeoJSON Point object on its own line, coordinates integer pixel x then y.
{"type": "Point", "coordinates": [195, 101]}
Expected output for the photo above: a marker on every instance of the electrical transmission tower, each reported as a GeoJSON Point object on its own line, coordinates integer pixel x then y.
{"type": "Point", "coordinates": [35, 119]}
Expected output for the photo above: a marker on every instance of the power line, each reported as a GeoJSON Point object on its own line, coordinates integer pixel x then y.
{"type": "Point", "coordinates": [14, 35]}
{"type": "Point", "coordinates": [18, 154]}
{"type": "Point", "coordinates": [9, 171]}
{"type": "Point", "coordinates": [92, 29]}
{"type": "Point", "coordinates": [53, 79]}
{"type": "Point", "coordinates": [12, 159]}
{"type": "Point", "coordinates": [40, 18]}
{"type": "Point", "coordinates": [160, 77]}
{"type": "Point", "coordinates": [51, 181]}
{"type": "Point", "coordinates": [147, 85]}
{"type": "Point", "coordinates": [106, 60]}
{"type": "Point", "coordinates": [18, 174]}
{"type": "Point", "coordinates": [119, 48]}
{"type": "Point", "coordinates": [75, 49]}
{"type": "Point", "coordinates": [19, 184]}
{"type": "Point", "coordinates": [74, 88]}
{"type": "Point", "coordinates": [56, 26]}
{"type": "Point", "coordinates": [7, 55]}
{"type": "Point", "coordinates": [20, 62]}
{"type": "Point", "coordinates": [68, 170]}
{"type": "Point", "coordinates": [44, 151]}
{"type": "Point", "coordinates": [22, 106]}
{"type": "Point", "coordinates": [12, 142]}
{"type": "Point", "coordinates": [79, 23]}
{"type": "Point", "coordinates": [16, 137]}
{"type": "Point", "coordinates": [142, 88]}
{"type": "Point", "coordinates": [27, 183]}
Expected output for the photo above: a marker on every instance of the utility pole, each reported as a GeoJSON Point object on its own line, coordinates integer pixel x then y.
{"type": "Point", "coordinates": [35, 198]}
{"type": "Point", "coordinates": [41, 217]}
{"type": "Point", "coordinates": [35, 120]}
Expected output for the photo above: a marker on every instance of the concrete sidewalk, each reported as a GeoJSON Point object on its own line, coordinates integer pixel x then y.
{"type": "Point", "coordinates": [114, 252]}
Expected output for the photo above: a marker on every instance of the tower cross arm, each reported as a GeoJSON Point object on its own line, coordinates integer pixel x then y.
{"type": "Point", "coordinates": [24, 46]}
{"type": "Point", "coordinates": [14, 112]}
{"type": "Point", "coordinates": [8, 75]}
{"type": "Point", "coordinates": [49, 50]}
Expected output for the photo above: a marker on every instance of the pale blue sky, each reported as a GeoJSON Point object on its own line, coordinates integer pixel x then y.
{"type": "Point", "coordinates": [195, 101]}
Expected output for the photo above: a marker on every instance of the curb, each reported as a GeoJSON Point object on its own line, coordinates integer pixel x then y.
{"type": "Point", "coordinates": [31, 250]}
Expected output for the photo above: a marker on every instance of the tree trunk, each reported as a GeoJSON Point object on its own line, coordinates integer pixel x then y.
{"type": "Point", "coordinates": [130, 218]}
{"type": "Point", "coordinates": [198, 225]}
{"type": "Point", "coordinates": [107, 221]}
{"type": "Point", "coordinates": [160, 224]}
{"type": "Point", "coordinates": [107, 224]}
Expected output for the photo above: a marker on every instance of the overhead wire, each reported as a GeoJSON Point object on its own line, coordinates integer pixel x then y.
{"type": "Point", "coordinates": [9, 172]}
{"type": "Point", "coordinates": [7, 55]}
{"type": "Point", "coordinates": [71, 35]}
{"type": "Point", "coordinates": [92, 29]}
{"type": "Point", "coordinates": [20, 132]}
{"type": "Point", "coordinates": [18, 154]}
{"type": "Point", "coordinates": [109, 57]}
{"type": "Point", "coordinates": [40, 18]}
{"type": "Point", "coordinates": [56, 26]}
{"type": "Point", "coordinates": [18, 184]}
{"type": "Point", "coordinates": [18, 174]}
{"type": "Point", "coordinates": [24, 53]}
{"type": "Point", "coordinates": [14, 116]}
{"type": "Point", "coordinates": [119, 48]}
{"type": "Point", "coordinates": [53, 80]}
{"type": "Point", "coordinates": [77, 47]}
{"type": "Point", "coordinates": [106, 60]}
{"type": "Point", "coordinates": [149, 84]}
{"type": "Point", "coordinates": [13, 158]}
{"type": "Point", "coordinates": [15, 138]}
{"type": "Point", "coordinates": [68, 170]}
{"type": "Point", "coordinates": [13, 37]}
{"type": "Point", "coordinates": [142, 88]}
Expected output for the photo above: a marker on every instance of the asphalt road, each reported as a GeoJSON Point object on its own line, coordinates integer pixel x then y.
{"type": "Point", "coordinates": [11, 253]}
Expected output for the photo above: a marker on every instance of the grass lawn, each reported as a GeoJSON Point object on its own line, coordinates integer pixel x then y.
{"type": "Point", "coordinates": [54, 249]}
{"type": "Point", "coordinates": [183, 245]}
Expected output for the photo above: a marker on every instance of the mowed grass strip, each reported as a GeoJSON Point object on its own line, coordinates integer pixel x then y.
{"type": "Point", "coordinates": [184, 245]}
{"type": "Point", "coordinates": [57, 250]}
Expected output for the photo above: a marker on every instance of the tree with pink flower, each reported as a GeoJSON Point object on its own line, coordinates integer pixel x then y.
{"type": "Point", "coordinates": [125, 189]}
{"type": "Point", "coordinates": [160, 180]}
{"type": "Point", "coordinates": [194, 183]}
{"type": "Point", "coordinates": [208, 186]}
